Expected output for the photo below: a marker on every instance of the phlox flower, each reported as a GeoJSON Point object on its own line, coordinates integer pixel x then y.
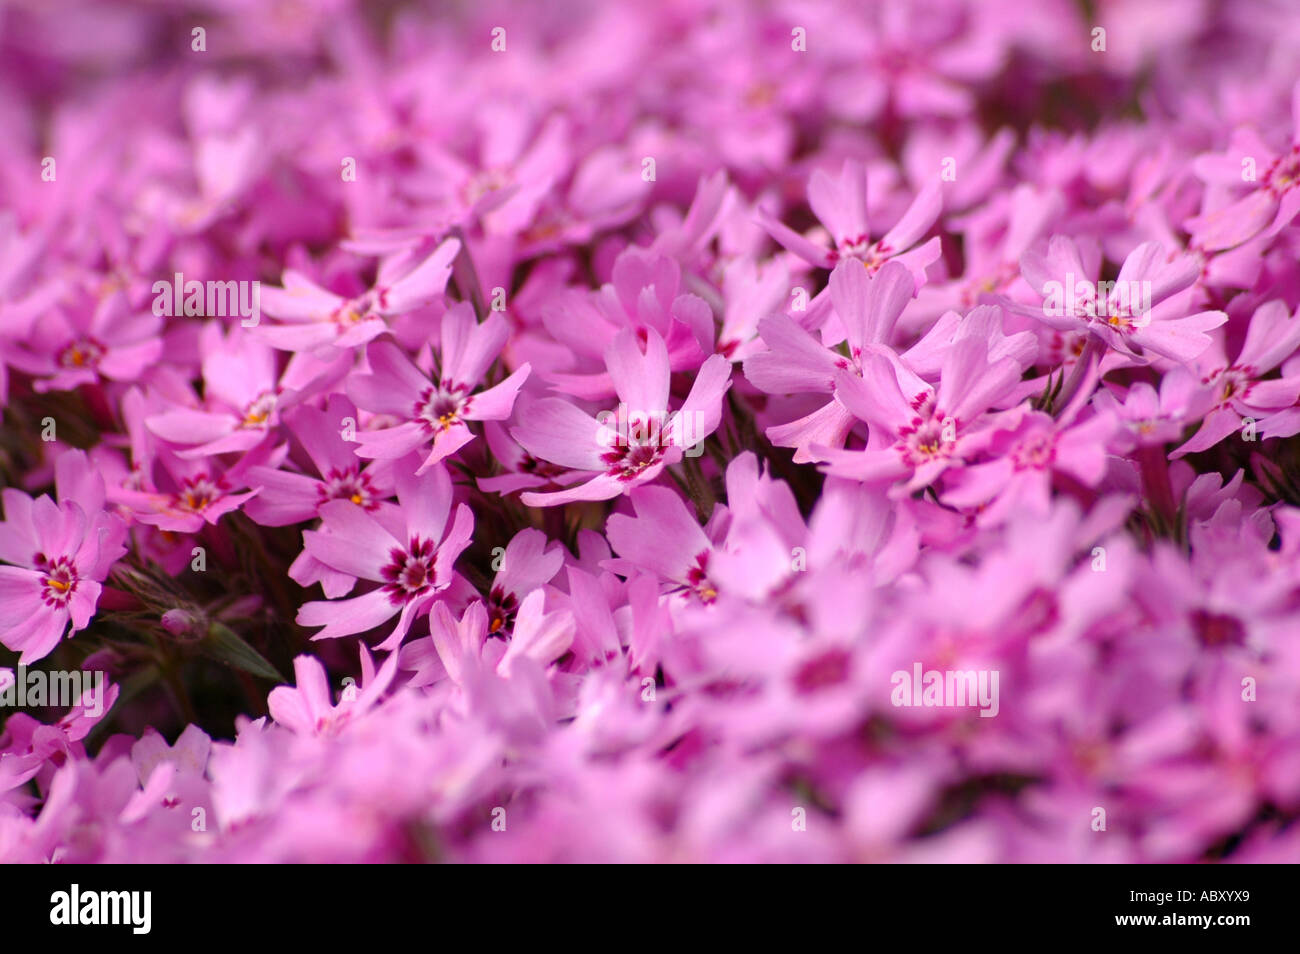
{"type": "Point", "coordinates": [288, 496]}
{"type": "Point", "coordinates": [841, 205]}
{"type": "Point", "coordinates": [1269, 206]}
{"type": "Point", "coordinates": [1023, 462]}
{"type": "Point", "coordinates": [243, 396]}
{"type": "Point", "coordinates": [409, 554]}
{"type": "Point", "coordinates": [435, 410]}
{"type": "Point", "coordinates": [308, 708]}
{"type": "Point", "coordinates": [1242, 388]}
{"type": "Point", "coordinates": [1117, 320]}
{"type": "Point", "coordinates": [30, 749]}
{"type": "Point", "coordinates": [315, 317]}
{"type": "Point", "coordinates": [90, 341]}
{"type": "Point", "coordinates": [917, 431]}
{"type": "Point", "coordinates": [644, 294]}
{"type": "Point", "coordinates": [455, 647]}
{"type": "Point", "coordinates": [518, 162]}
{"type": "Point", "coordinates": [663, 539]}
{"type": "Point", "coordinates": [555, 430]}
{"type": "Point", "coordinates": [58, 554]}
{"type": "Point", "coordinates": [179, 495]}
{"type": "Point", "coordinates": [1153, 418]}
{"type": "Point", "coordinates": [867, 308]}
{"type": "Point", "coordinates": [528, 563]}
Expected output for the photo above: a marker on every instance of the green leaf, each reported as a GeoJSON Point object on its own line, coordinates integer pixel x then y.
{"type": "Point", "coordinates": [224, 645]}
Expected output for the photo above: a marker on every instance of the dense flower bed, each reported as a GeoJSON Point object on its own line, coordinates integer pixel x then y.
{"type": "Point", "coordinates": [686, 431]}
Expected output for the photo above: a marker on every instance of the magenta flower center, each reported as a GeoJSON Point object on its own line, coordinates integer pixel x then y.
{"type": "Point", "coordinates": [258, 412]}
{"type": "Point", "coordinates": [861, 248]}
{"type": "Point", "coordinates": [628, 462]}
{"type": "Point", "coordinates": [83, 353]}
{"type": "Point", "coordinates": [1234, 383]}
{"type": "Point", "coordinates": [354, 311]}
{"type": "Point", "coordinates": [59, 581]}
{"type": "Point", "coordinates": [1285, 172]}
{"type": "Point", "coordinates": [1217, 629]}
{"type": "Point", "coordinates": [697, 577]}
{"type": "Point", "coordinates": [1034, 453]}
{"type": "Point", "coordinates": [831, 668]}
{"type": "Point", "coordinates": [922, 442]}
{"type": "Point", "coordinates": [441, 408]}
{"type": "Point", "coordinates": [502, 608]}
{"type": "Point", "coordinates": [410, 572]}
{"type": "Point", "coordinates": [350, 485]}
{"type": "Point", "coordinates": [198, 493]}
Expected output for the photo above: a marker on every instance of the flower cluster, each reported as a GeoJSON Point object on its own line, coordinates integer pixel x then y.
{"type": "Point", "coordinates": [705, 431]}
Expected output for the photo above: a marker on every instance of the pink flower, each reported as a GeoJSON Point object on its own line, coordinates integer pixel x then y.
{"type": "Point", "coordinates": [841, 205]}
{"type": "Point", "coordinates": [916, 432]}
{"type": "Point", "coordinates": [58, 555]}
{"type": "Point", "coordinates": [187, 493]}
{"type": "Point", "coordinates": [555, 430]}
{"type": "Point", "coordinates": [867, 307]}
{"type": "Point", "coordinates": [1270, 205]}
{"type": "Point", "coordinates": [308, 709]}
{"type": "Point", "coordinates": [664, 539]}
{"type": "Point", "coordinates": [410, 555]}
{"type": "Point", "coordinates": [527, 564]}
{"type": "Point", "coordinates": [286, 496]}
{"type": "Point", "coordinates": [644, 294]}
{"type": "Point", "coordinates": [90, 341]}
{"type": "Point", "coordinates": [1140, 312]}
{"type": "Point", "coordinates": [317, 318]}
{"type": "Point", "coordinates": [456, 648]}
{"type": "Point", "coordinates": [1023, 462]}
{"type": "Point", "coordinates": [1153, 418]}
{"type": "Point", "coordinates": [243, 396]}
{"type": "Point", "coordinates": [435, 410]}
{"type": "Point", "coordinates": [1241, 389]}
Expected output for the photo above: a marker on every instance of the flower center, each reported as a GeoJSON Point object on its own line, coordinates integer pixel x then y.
{"type": "Point", "coordinates": [1034, 453]}
{"type": "Point", "coordinates": [198, 493]}
{"type": "Point", "coordinates": [502, 607]}
{"type": "Point", "coordinates": [440, 409]}
{"type": "Point", "coordinates": [83, 353]}
{"type": "Point", "coordinates": [627, 462]}
{"type": "Point", "coordinates": [59, 582]}
{"type": "Point", "coordinates": [1217, 629]}
{"type": "Point", "coordinates": [410, 572]}
{"type": "Point", "coordinates": [259, 410]}
{"type": "Point", "coordinates": [871, 256]}
{"type": "Point", "coordinates": [1234, 383]}
{"type": "Point", "coordinates": [830, 668]}
{"type": "Point", "coordinates": [697, 577]}
{"type": "Point", "coordinates": [1285, 172]}
{"type": "Point", "coordinates": [923, 442]}
{"type": "Point", "coordinates": [348, 485]}
{"type": "Point", "coordinates": [354, 311]}
{"type": "Point", "coordinates": [485, 182]}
